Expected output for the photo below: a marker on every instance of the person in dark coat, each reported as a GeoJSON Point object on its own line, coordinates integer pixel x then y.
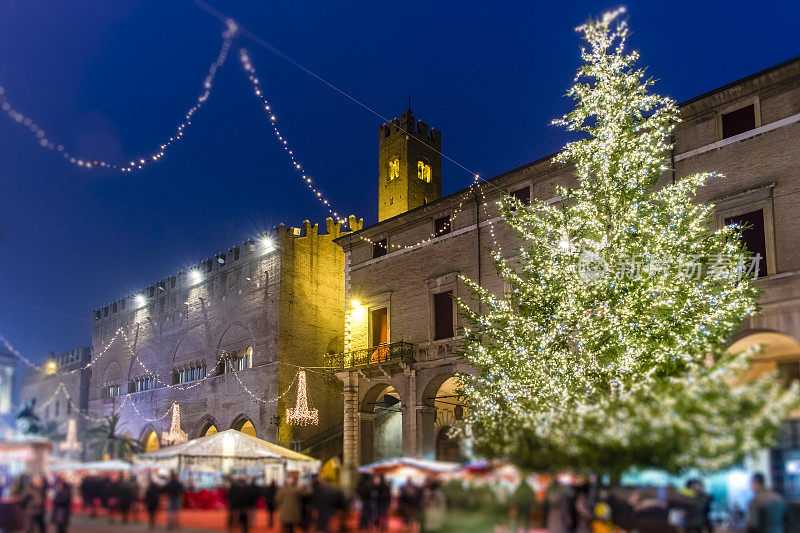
{"type": "Point", "coordinates": [383, 499]}
{"type": "Point", "coordinates": [174, 491]}
{"type": "Point", "coordinates": [33, 502]}
{"type": "Point", "coordinates": [152, 498]}
{"type": "Point", "coordinates": [326, 501]}
{"type": "Point", "coordinates": [62, 506]}
{"type": "Point", "coordinates": [128, 492]}
{"type": "Point", "coordinates": [366, 493]}
{"type": "Point", "coordinates": [769, 512]}
{"type": "Point", "coordinates": [269, 501]}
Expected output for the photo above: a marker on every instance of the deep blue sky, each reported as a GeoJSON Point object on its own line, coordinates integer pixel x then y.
{"type": "Point", "coordinates": [113, 79]}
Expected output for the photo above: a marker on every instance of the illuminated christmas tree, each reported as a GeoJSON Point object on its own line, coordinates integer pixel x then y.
{"type": "Point", "coordinates": [609, 348]}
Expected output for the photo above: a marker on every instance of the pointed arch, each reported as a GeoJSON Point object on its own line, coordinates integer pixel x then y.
{"type": "Point", "coordinates": [244, 424]}
{"type": "Point", "coordinates": [207, 425]}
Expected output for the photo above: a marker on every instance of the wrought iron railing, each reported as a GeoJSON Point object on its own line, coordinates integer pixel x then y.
{"type": "Point", "coordinates": [395, 352]}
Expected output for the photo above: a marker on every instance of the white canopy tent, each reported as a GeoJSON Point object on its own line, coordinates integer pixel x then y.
{"type": "Point", "coordinates": [227, 452]}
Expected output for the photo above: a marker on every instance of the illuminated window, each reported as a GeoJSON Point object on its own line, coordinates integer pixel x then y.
{"type": "Point", "coordinates": [394, 169]}
{"type": "Point", "coordinates": [424, 171]}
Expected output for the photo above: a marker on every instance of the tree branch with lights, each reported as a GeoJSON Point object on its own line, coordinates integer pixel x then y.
{"type": "Point", "coordinates": [609, 348]}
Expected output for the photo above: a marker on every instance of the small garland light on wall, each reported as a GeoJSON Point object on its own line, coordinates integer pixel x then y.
{"type": "Point", "coordinates": [300, 414]}
{"type": "Point", "coordinates": [175, 435]}
{"type": "Point", "coordinates": [71, 444]}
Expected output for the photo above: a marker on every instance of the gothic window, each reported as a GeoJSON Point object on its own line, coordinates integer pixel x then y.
{"type": "Point", "coordinates": [394, 169]}
{"type": "Point", "coordinates": [236, 361]}
{"type": "Point", "coordinates": [424, 171]}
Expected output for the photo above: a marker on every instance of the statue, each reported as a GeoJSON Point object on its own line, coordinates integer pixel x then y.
{"type": "Point", "coordinates": [28, 422]}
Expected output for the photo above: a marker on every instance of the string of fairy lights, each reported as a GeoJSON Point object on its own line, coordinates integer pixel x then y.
{"type": "Point", "coordinates": [246, 62]}
{"type": "Point", "coordinates": [231, 30]}
{"type": "Point", "coordinates": [142, 161]}
{"type": "Point", "coordinates": [247, 65]}
{"type": "Point", "coordinates": [127, 399]}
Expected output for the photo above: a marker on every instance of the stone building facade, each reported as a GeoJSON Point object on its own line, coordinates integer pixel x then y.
{"type": "Point", "coordinates": [402, 328]}
{"type": "Point", "coordinates": [61, 389]}
{"type": "Point", "coordinates": [225, 340]}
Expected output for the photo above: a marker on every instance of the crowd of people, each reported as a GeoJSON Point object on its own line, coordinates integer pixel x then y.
{"type": "Point", "coordinates": [320, 506]}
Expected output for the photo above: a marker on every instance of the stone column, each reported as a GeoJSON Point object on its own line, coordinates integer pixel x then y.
{"type": "Point", "coordinates": [366, 436]}
{"type": "Point", "coordinates": [350, 444]}
{"type": "Point", "coordinates": [410, 446]}
{"type": "Point", "coordinates": [426, 434]}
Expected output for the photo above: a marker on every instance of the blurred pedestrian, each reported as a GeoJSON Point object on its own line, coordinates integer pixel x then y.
{"type": "Point", "coordinates": [584, 508]}
{"type": "Point", "coordinates": [434, 508]}
{"type": "Point", "coordinates": [152, 499]}
{"type": "Point", "coordinates": [174, 490]}
{"type": "Point", "coordinates": [769, 512]}
{"type": "Point", "coordinates": [366, 494]}
{"type": "Point", "coordinates": [326, 501]}
{"type": "Point", "coordinates": [559, 509]}
{"type": "Point", "coordinates": [62, 506]}
{"type": "Point", "coordinates": [269, 501]}
{"type": "Point", "coordinates": [33, 496]}
{"type": "Point", "coordinates": [289, 505]}
{"type": "Point", "coordinates": [523, 501]}
{"type": "Point", "coordinates": [410, 498]}
{"type": "Point", "coordinates": [128, 494]}
{"type": "Point", "coordinates": [383, 500]}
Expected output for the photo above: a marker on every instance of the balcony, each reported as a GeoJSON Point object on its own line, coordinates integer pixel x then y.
{"type": "Point", "coordinates": [384, 359]}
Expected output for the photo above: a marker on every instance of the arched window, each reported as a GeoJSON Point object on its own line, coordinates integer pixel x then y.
{"type": "Point", "coordinates": [394, 168]}
{"type": "Point", "coordinates": [424, 171]}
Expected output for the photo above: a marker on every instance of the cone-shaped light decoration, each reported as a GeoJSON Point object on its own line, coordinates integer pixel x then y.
{"type": "Point", "coordinates": [175, 435]}
{"type": "Point", "coordinates": [301, 415]}
{"type": "Point", "coordinates": [71, 444]}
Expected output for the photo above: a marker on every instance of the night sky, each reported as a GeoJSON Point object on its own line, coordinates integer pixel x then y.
{"type": "Point", "coordinates": [112, 80]}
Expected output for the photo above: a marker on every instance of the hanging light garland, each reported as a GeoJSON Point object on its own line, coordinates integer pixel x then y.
{"type": "Point", "coordinates": [142, 161]}
{"type": "Point", "coordinates": [300, 414]}
{"type": "Point", "coordinates": [71, 444]}
{"type": "Point", "coordinates": [175, 435]}
{"type": "Point", "coordinates": [247, 65]}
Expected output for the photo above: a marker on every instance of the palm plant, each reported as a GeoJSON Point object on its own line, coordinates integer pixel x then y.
{"type": "Point", "coordinates": [105, 439]}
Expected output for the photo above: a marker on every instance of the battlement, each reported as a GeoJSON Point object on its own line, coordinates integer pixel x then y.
{"type": "Point", "coordinates": [408, 124]}
{"type": "Point", "coordinates": [252, 248]}
{"type": "Point", "coordinates": [69, 360]}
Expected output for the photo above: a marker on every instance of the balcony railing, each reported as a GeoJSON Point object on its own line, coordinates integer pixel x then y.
{"type": "Point", "coordinates": [395, 352]}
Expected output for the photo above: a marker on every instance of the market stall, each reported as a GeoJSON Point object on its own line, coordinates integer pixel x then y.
{"type": "Point", "coordinates": [403, 469]}
{"type": "Point", "coordinates": [204, 461]}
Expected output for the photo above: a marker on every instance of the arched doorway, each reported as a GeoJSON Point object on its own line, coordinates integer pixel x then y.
{"type": "Point", "coordinates": [150, 441]}
{"type": "Point", "coordinates": [244, 425]}
{"type": "Point", "coordinates": [207, 426]}
{"type": "Point", "coordinates": [774, 351]}
{"type": "Point", "coordinates": [381, 424]}
{"type": "Point", "coordinates": [449, 413]}
{"type": "Point", "coordinates": [778, 353]}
